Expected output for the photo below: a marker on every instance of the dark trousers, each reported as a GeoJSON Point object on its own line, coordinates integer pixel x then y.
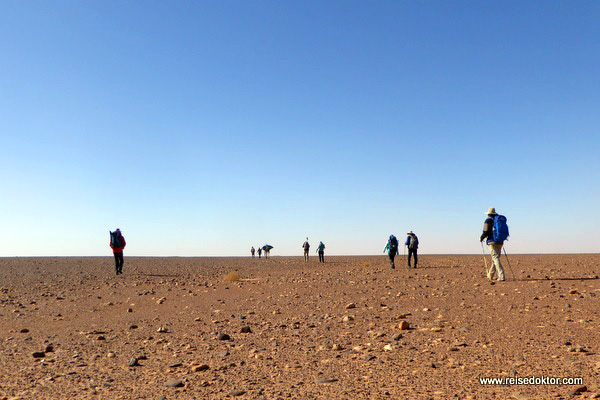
{"type": "Point", "coordinates": [412, 253]}
{"type": "Point", "coordinates": [322, 256]}
{"type": "Point", "coordinates": [119, 262]}
{"type": "Point", "coordinates": [392, 255]}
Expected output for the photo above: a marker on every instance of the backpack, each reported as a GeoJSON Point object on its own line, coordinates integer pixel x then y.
{"type": "Point", "coordinates": [414, 242]}
{"type": "Point", "coordinates": [500, 229]}
{"type": "Point", "coordinates": [306, 246]}
{"type": "Point", "coordinates": [115, 239]}
{"type": "Point", "coordinates": [393, 243]}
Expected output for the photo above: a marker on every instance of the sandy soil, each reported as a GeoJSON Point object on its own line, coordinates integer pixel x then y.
{"type": "Point", "coordinates": [85, 325]}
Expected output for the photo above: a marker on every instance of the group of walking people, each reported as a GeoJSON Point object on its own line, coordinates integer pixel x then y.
{"type": "Point", "coordinates": [264, 249]}
{"type": "Point", "coordinates": [495, 232]}
{"type": "Point", "coordinates": [412, 243]}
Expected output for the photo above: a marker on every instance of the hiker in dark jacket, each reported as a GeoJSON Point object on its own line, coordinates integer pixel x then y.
{"type": "Point", "coordinates": [392, 248]}
{"type": "Point", "coordinates": [252, 251]}
{"type": "Point", "coordinates": [117, 243]}
{"type": "Point", "coordinates": [259, 251]}
{"type": "Point", "coordinates": [495, 248]}
{"type": "Point", "coordinates": [412, 242]}
{"type": "Point", "coordinates": [321, 251]}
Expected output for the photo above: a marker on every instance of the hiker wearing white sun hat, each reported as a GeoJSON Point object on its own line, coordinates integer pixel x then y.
{"type": "Point", "coordinates": [495, 246]}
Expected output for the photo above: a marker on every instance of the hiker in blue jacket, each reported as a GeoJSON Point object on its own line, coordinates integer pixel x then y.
{"type": "Point", "coordinates": [392, 248]}
{"type": "Point", "coordinates": [495, 247]}
{"type": "Point", "coordinates": [412, 242]}
{"type": "Point", "coordinates": [321, 251]}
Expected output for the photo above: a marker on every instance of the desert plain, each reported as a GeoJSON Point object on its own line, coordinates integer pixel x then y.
{"type": "Point", "coordinates": [352, 328]}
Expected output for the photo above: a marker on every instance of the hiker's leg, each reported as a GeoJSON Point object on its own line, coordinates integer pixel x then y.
{"type": "Point", "coordinates": [409, 255]}
{"type": "Point", "coordinates": [416, 259]}
{"type": "Point", "coordinates": [497, 263]}
{"type": "Point", "coordinates": [121, 262]}
{"type": "Point", "coordinates": [495, 255]}
{"type": "Point", "coordinates": [116, 263]}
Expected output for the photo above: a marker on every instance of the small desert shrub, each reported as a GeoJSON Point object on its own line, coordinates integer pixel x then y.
{"type": "Point", "coordinates": [232, 277]}
{"type": "Point", "coordinates": [367, 265]}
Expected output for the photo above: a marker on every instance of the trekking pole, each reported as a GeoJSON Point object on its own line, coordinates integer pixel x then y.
{"type": "Point", "coordinates": [484, 260]}
{"type": "Point", "coordinates": [510, 266]}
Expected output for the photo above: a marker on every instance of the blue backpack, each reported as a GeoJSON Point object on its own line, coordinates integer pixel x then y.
{"type": "Point", "coordinates": [500, 230]}
{"type": "Point", "coordinates": [393, 243]}
{"type": "Point", "coordinates": [115, 239]}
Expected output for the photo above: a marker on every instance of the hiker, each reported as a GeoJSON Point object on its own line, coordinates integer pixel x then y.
{"type": "Point", "coordinates": [392, 248]}
{"type": "Point", "coordinates": [252, 251]}
{"type": "Point", "coordinates": [321, 251]}
{"type": "Point", "coordinates": [117, 243]}
{"type": "Point", "coordinates": [306, 247]}
{"type": "Point", "coordinates": [495, 239]}
{"type": "Point", "coordinates": [412, 242]}
{"type": "Point", "coordinates": [259, 251]}
{"type": "Point", "coordinates": [267, 249]}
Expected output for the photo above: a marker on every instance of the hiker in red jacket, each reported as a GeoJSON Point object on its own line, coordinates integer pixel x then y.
{"type": "Point", "coordinates": [117, 243]}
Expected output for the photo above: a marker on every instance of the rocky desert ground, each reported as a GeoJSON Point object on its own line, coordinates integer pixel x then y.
{"type": "Point", "coordinates": [352, 328]}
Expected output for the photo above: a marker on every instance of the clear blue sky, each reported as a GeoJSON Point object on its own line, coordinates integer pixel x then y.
{"type": "Point", "coordinates": [206, 127]}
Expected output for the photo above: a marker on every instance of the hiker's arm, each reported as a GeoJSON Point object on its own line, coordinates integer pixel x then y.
{"type": "Point", "coordinates": [124, 242]}
{"type": "Point", "coordinates": [487, 228]}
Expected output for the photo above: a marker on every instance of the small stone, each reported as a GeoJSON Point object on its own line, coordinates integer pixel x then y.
{"type": "Point", "coordinates": [326, 380]}
{"type": "Point", "coordinates": [174, 383]}
{"type": "Point", "coordinates": [176, 365]}
{"type": "Point", "coordinates": [133, 326]}
{"type": "Point", "coordinates": [427, 309]}
{"type": "Point", "coordinates": [100, 338]}
{"type": "Point", "coordinates": [580, 389]}
{"type": "Point", "coordinates": [161, 398]}
{"type": "Point", "coordinates": [238, 393]}
{"type": "Point", "coordinates": [130, 310]}
{"type": "Point", "coordinates": [133, 362]}
{"type": "Point", "coordinates": [111, 355]}
{"type": "Point", "coordinates": [246, 329]}
{"type": "Point", "coordinates": [573, 291]}
{"type": "Point", "coordinates": [49, 348]}
{"type": "Point", "coordinates": [38, 354]}
{"type": "Point", "coordinates": [351, 305]}
{"type": "Point", "coordinates": [404, 325]}
{"type": "Point", "coordinates": [161, 300]}
{"type": "Point", "coordinates": [397, 336]}
{"type": "Point", "coordinates": [199, 368]}
{"type": "Point", "coordinates": [348, 318]}
{"type": "Point", "coordinates": [162, 329]}
{"type": "Point", "coordinates": [223, 336]}
{"type": "Point", "coordinates": [368, 357]}
{"type": "Point", "coordinates": [24, 330]}
{"type": "Point", "coordinates": [337, 347]}
{"type": "Point", "coordinates": [388, 347]}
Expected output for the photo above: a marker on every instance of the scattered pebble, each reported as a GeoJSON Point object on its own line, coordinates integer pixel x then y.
{"type": "Point", "coordinates": [174, 383]}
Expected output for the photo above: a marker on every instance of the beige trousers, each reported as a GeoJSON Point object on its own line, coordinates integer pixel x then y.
{"type": "Point", "coordinates": [496, 267]}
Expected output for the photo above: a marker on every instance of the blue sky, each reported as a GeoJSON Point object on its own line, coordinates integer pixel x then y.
{"type": "Point", "coordinates": [203, 128]}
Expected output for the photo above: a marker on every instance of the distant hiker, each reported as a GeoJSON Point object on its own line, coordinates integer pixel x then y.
{"type": "Point", "coordinates": [392, 248]}
{"type": "Point", "coordinates": [495, 231]}
{"type": "Point", "coordinates": [321, 251]}
{"type": "Point", "coordinates": [267, 249]}
{"type": "Point", "coordinates": [412, 242]}
{"type": "Point", "coordinates": [259, 251]}
{"type": "Point", "coordinates": [117, 243]}
{"type": "Point", "coordinates": [252, 251]}
{"type": "Point", "coordinates": [306, 247]}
